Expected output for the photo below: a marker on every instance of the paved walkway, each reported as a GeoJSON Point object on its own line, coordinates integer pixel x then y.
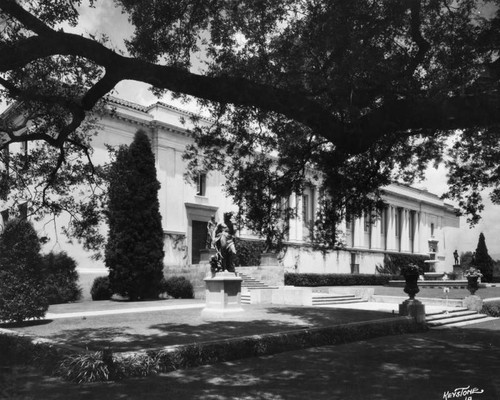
{"type": "Point", "coordinates": [150, 308]}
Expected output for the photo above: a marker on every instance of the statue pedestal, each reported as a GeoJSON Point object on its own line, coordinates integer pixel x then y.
{"type": "Point", "coordinates": [205, 255]}
{"type": "Point", "coordinates": [457, 269]}
{"type": "Point", "coordinates": [223, 296]}
{"type": "Point", "coordinates": [413, 308]}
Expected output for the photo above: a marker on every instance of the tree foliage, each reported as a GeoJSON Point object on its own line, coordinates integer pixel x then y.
{"type": "Point", "coordinates": [134, 250]}
{"type": "Point", "coordinates": [363, 92]}
{"type": "Point", "coordinates": [22, 281]}
{"type": "Point", "coordinates": [61, 278]}
{"type": "Point", "coordinates": [482, 259]}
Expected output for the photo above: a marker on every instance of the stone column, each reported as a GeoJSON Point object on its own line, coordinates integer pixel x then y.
{"type": "Point", "coordinates": [390, 238]}
{"type": "Point", "coordinates": [293, 221]}
{"type": "Point", "coordinates": [299, 219]}
{"type": "Point", "coordinates": [416, 237]}
{"type": "Point", "coordinates": [359, 232]}
{"type": "Point", "coordinates": [404, 234]}
{"type": "Point", "coordinates": [375, 234]}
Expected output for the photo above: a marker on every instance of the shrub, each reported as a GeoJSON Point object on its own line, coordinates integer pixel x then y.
{"type": "Point", "coordinates": [138, 365]}
{"type": "Point", "coordinates": [101, 289]}
{"type": "Point", "coordinates": [179, 287]}
{"type": "Point", "coordinates": [22, 285]}
{"type": "Point", "coordinates": [492, 309]}
{"type": "Point", "coordinates": [248, 252]}
{"type": "Point", "coordinates": [83, 368]}
{"type": "Point", "coordinates": [294, 279]}
{"type": "Point", "coordinates": [61, 278]}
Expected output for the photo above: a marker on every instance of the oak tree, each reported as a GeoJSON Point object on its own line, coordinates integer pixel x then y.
{"type": "Point", "coordinates": [363, 92]}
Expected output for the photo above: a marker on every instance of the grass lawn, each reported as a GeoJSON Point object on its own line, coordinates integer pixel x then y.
{"type": "Point", "coordinates": [154, 329]}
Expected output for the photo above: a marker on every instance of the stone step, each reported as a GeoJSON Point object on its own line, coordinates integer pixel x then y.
{"type": "Point", "coordinates": [333, 303]}
{"type": "Point", "coordinates": [465, 323]}
{"type": "Point", "coordinates": [330, 299]}
{"type": "Point", "coordinates": [455, 309]}
{"type": "Point", "coordinates": [245, 298]}
{"type": "Point", "coordinates": [450, 314]}
{"type": "Point", "coordinates": [250, 283]}
{"type": "Point", "coordinates": [333, 296]}
{"type": "Point", "coordinates": [459, 319]}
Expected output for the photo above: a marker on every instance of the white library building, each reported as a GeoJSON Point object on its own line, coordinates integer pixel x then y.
{"type": "Point", "coordinates": [412, 219]}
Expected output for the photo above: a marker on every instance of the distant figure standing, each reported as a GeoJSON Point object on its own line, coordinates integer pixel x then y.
{"type": "Point", "coordinates": [457, 260]}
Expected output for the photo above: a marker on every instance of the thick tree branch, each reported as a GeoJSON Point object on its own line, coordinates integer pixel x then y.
{"type": "Point", "coordinates": [399, 116]}
{"type": "Point", "coordinates": [416, 35]}
{"type": "Point", "coordinates": [76, 111]}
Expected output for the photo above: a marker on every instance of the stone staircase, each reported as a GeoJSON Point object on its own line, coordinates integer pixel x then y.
{"type": "Point", "coordinates": [248, 283]}
{"type": "Point", "coordinates": [323, 299]}
{"type": "Point", "coordinates": [456, 318]}
{"type": "Point", "coordinates": [252, 283]}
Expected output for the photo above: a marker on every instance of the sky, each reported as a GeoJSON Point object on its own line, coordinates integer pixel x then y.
{"type": "Point", "coordinates": [105, 18]}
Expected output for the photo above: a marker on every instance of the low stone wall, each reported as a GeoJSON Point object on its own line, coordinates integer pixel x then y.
{"type": "Point", "coordinates": [361, 292]}
{"type": "Point", "coordinates": [424, 300]}
{"type": "Point", "coordinates": [272, 275]}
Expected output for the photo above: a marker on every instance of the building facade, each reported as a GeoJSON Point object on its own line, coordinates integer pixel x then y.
{"type": "Point", "coordinates": [412, 216]}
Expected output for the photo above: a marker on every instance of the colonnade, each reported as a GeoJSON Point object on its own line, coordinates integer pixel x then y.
{"type": "Point", "coordinates": [395, 229]}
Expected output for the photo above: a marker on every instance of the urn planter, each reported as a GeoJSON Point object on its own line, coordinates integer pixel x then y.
{"type": "Point", "coordinates": [472, 284]}
{"type": "Point", "coordinates": [411, 285]}
{"type": "Point", "coordinates": [412, 307]}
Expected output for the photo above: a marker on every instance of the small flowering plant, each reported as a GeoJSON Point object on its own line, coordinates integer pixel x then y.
{"type": "Point", "coordinates": [473, 272]}
{"type": "Point", "coordinates": [410, 269]}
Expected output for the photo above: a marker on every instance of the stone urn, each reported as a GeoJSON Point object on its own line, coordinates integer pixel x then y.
{"type": "Point", "coordinates": [412, 307]}
{"type": "Point", "coordinates": [411, 284]}
{"type": "Point", "coordinates": [472, 284]}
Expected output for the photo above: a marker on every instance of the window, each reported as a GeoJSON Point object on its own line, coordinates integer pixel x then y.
{"type": "Point", "coordinates": [432, 230]}
{"type": "Point", "coordinates": [201, 184]}
{"type": "Point", "coordinates": [354, 265]}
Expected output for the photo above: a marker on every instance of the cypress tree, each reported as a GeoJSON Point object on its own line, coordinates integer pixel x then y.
{"type": "Point", "coordinates": [482, 259]}
{"type": "Point", "coordinates": [134, 250]}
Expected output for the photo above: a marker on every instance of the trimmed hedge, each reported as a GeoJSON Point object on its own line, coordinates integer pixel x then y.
{"type": "Point", "coordinates": [492, 309]}
{"type": "Point", "coordinates": [294, 279]}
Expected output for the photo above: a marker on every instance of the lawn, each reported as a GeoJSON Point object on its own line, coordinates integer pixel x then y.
{"type": "Point", "coordinates": [154, 329]}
